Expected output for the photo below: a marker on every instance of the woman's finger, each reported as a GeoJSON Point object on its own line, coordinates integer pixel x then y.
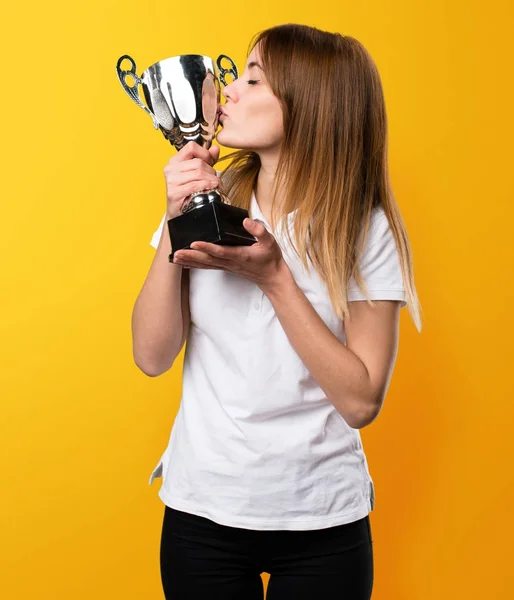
{"type": "Point", "coordinates": [194, 150]}
{"type": "Point", "coordinates": [199, 265]}
{"type": "Point", "coordinates": [195, 164]}
{"type": "Point", "coordinates": [195, 258]}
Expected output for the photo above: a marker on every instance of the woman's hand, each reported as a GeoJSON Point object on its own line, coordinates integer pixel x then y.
{"type": "Point", "coordinates": [190, 170]}
{"type": "Point", "coordinates": [261, 263]}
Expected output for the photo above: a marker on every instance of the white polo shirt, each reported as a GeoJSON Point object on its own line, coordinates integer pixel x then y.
{"type": "Point", "coordinates": [255, 443]}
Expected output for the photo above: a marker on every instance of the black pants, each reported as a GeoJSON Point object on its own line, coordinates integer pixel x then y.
{"type": "Point", "coordinates": [201, 560]}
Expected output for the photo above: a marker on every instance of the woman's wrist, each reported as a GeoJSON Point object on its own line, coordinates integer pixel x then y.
{"type": "Point", "coordinates": [280, 282]}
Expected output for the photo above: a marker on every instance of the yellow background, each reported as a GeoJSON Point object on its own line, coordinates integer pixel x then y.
{"type": "Point", "coordinates": [82, 192]}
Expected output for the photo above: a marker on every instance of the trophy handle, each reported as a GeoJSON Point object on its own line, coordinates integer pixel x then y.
{"type": "Point", "coordinates": [132, 91]}
{"type": "Point", "coordinates": [232, 71]}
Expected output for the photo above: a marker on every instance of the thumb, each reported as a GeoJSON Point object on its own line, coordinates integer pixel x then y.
{"type": "Point", "coordinates": [255, 227]}
{"type": "Point", "coordinates": [214, 151]}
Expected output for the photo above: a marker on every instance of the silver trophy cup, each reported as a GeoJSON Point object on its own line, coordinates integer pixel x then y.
{"type": "Point", "coordinates": [182, 95]}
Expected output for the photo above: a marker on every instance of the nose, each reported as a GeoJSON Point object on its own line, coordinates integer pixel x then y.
{"type": "Point", "coordinates": [228, 91]}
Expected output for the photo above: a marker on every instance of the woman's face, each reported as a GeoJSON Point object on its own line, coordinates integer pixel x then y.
{"type": "Point", "coordinates": [252, 117]}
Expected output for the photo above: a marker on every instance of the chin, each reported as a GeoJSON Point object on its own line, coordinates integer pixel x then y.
{"type": "Point", "coordinates": [231, 141]}
{"type": "Point", "coordinates": [225, 140]}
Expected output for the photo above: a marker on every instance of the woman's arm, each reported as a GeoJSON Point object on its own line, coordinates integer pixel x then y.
{"type": "Point", "coordinates": [354, 377]}
{"type": "Point", "coordinates": [161, 316]}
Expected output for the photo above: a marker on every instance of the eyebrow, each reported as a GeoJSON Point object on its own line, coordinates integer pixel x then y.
{"type": "Point", "coordinates": [254, 64]}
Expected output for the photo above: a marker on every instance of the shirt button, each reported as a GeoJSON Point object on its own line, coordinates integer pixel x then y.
{"type": "Point", "coordinates": [257, 306]}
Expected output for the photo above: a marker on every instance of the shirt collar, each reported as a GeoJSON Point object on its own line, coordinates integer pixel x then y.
{"type": "Point", "coordinates": [256, 214]}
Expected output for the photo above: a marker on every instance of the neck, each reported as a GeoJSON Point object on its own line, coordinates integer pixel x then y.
{"type": "Point", "coordinates": [265, 181]}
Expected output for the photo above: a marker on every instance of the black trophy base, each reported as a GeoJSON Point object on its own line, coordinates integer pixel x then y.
{"type": "Point", "coordinates": [216, 222]}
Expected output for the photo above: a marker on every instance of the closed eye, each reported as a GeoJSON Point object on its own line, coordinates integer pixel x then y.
{"type": "Point", "coordinates": [252, 81]}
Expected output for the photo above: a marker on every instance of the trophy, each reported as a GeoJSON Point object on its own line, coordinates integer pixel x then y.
{"type": "Point", "coordinates": [182, 95]}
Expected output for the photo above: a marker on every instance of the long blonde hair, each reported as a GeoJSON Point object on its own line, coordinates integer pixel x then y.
{"type": "Point", "coordinates": [333, 168]}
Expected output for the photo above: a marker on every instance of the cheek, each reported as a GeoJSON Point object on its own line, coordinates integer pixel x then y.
{"type": "Point", "coordinates": [254, 124]}
{"type": "Point", "coordinates": [266, 121]}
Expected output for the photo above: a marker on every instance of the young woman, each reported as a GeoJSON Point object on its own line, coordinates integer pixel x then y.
{"type": "Point", "coordinates": [291, 342]}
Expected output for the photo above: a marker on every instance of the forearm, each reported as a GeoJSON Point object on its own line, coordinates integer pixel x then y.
{"type": "Point", "coordinates": [339, 372]}
{"type": "Point", "coordinates": [157, 324]}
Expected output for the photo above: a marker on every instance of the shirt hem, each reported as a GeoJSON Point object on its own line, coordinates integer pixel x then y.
{"type": "Point", "coordinates": [278, 524]}
{"type": "Point", "coordinates": [390, 294]}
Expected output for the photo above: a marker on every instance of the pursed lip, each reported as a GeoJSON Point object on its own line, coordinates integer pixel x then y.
{"type": "Point", "coordinates": [222, 112]}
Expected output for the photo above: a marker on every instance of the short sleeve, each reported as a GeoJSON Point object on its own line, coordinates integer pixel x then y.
{"type": "Point", "coordinates": [380, 264]}
{"type": "Point", "coordinates": [158, 232]}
